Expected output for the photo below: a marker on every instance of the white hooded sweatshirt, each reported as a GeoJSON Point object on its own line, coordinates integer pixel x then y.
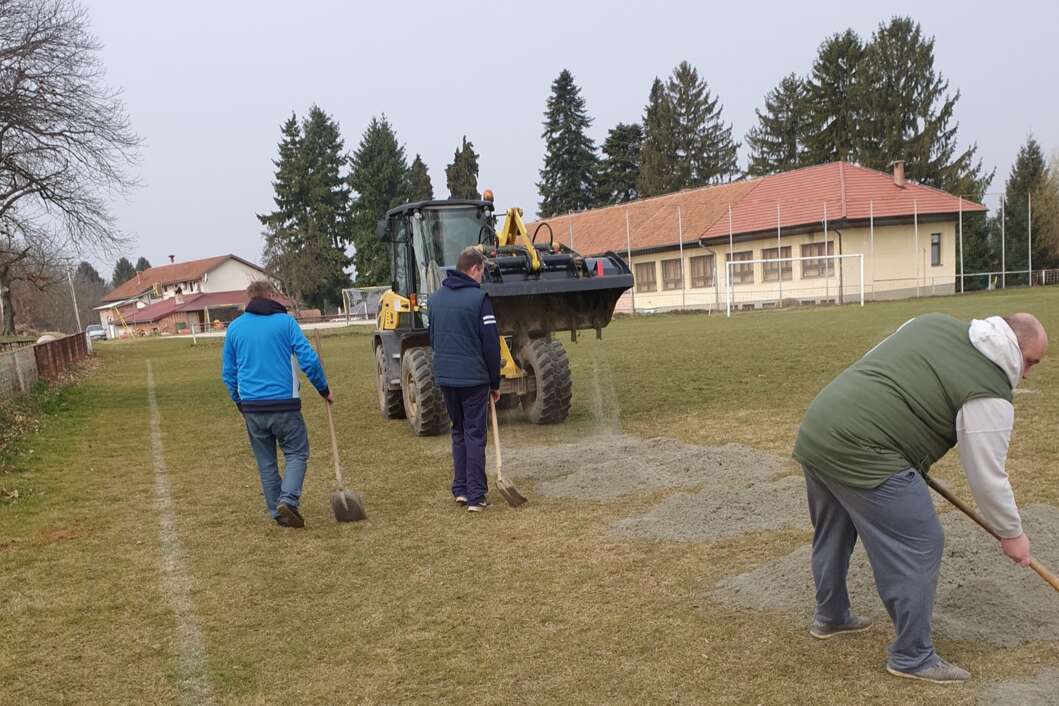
{"type": "Point", "coordinates": [983, 430]}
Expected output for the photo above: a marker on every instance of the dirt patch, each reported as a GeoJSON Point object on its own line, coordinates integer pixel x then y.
{"type": "Point", "coordinates": [1039, 690]}
{"type": "Point", "coordinates": [720, 512]}
{"type": "Point", "coordinates": [981, 595]}
{"type": "Point", "coordinates": [612, 465]}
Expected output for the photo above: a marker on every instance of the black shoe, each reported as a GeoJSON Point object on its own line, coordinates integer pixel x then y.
{"type": "Point", "coordinates": [291, 515]}
{"type": "Point", "coordinates": [281, 521]}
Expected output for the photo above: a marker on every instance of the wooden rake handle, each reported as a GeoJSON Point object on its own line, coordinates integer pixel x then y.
{"type": "Point", "coordinates": [330, 415]}
{"type": "Point", "coordinates": [496, 439]}
{"type": "Point", "coordinates": [966, 509]}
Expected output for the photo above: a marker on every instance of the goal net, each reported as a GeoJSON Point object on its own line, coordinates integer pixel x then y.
{"type": "Point", "coordinates": [362, 302]}
{"type": "Point", "coordinates": [791, 281]}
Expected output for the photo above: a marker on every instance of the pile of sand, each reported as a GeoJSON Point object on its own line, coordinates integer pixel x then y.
{"type": "Point", "coordinates": [723, 511]}
{"type": "Point", "coordinates": [981, 595]}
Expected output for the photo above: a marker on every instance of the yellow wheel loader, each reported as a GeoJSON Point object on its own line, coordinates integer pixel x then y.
{"type": "Point", "coordinates": [538, 288]}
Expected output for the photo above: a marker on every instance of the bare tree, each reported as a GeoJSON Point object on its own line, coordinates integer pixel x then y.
{"type": "Point", "coordinates": [65, 143]}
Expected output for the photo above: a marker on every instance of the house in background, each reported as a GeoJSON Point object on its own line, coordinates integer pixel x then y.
{"type": "Point", "coordinates": [678, 245]}
{"type": "Point", "coordinates": [173, 298]}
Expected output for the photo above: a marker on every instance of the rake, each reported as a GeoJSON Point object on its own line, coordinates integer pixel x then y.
{"type": "Point", "coordinates": [507, 491]}
{"type": "Point", "coordinates": [346, 505]}
{"type": "Point", "coordinates": [944, 492]}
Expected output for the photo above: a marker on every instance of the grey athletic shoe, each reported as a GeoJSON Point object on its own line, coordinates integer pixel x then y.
{"type": "Point", "coordinates": [461, 499]}
{"type": "Point", "coordinates": [823, 631]}
{"type": "Point", "coordinates": [941, 672]}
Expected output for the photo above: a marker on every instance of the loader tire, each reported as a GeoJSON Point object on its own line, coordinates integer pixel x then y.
{"type": "Point", "coordinates": [547, 363]}
{"type": "Point", "coordinates": [424, 405]}
{"type": "Point", "coordinates": [506, 402]}
{"type": "Point", "coordinates": [390, 401]}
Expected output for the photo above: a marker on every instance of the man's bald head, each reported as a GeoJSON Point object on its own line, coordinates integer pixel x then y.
{"type": "Point", "coordinates": [1032, 338]}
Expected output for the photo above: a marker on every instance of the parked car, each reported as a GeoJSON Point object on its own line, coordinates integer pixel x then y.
{"type": "Point", "coordinates": [96, 332]}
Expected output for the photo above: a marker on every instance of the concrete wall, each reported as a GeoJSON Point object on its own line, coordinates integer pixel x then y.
{"type": "Point", "coordinates": [897, 264]}
{"type": "Point", "coordinates": [18, 372]}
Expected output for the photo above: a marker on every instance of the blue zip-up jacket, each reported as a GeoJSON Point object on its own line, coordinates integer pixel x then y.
{"type": "Point", "coordinates": [259, 351]}
{"type": "Point", "coordinates": [463, 334]}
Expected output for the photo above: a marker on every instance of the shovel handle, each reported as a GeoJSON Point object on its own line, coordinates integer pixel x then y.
{"type": "Point", "coordinates": [963, 507]}
{"type": "Point", "coordinates": [330, 415]}
{"type": "Point", "coordinates": [496, 438]}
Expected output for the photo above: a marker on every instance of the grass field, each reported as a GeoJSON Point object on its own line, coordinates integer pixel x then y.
{"type": "Point", "coordinates": [425, 603]}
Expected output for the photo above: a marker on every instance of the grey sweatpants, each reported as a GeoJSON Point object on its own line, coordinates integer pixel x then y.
{"type": "Point", "coordinates": [904, 541]}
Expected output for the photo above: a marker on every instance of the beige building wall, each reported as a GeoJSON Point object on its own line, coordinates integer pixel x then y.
{"type": "Point", "coordinates": [897, 264]}
{"type": "Point", "coordinates": [230, 276]}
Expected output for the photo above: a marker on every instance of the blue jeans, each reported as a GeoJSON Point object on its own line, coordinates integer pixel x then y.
{"type": "Point", "coordinates": [904, 541]}
{"type": "Point", "coordinates": [469, 410]}
{"type": "Point", "coordinates": [265, 429]}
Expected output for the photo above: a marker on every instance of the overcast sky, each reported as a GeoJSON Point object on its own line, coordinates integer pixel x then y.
{"type": "Point", "coordinates": [208, 85]}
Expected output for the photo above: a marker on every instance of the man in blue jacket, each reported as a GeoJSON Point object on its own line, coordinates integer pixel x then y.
{"type": "Point", "coordinates": [466, 347]}
{"type": "Point", "coordinates": [259, 352]}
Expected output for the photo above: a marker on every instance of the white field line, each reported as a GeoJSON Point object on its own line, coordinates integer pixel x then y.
{"type": "Point", "coordinates": [176, 582]}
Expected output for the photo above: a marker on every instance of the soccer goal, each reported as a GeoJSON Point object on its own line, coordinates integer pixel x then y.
{"type": "Point", "coordinates": [362, 302]}
{"type": "Point", "coordinates": [773, 282]}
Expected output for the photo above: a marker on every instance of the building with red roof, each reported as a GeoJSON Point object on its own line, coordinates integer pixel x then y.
{"type": "Point", "coordinates": [174, 298]}
{"type": "Point", "coordinates": [678, 245]}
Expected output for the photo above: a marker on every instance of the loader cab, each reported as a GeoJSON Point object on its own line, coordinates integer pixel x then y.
{"type": "Point", "coordinates": [427, 237]}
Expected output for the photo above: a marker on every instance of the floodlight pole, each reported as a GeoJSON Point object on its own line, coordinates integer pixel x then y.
{"type": "Point", "coordinates": [871, 238]}
{"type": "Point", "coordinates": [915, 242]}
{"type": "Point", "coordinates": [827, 274]}
{"type": "Point", "coordinates": [680, 236]}
{"type": "Point", "coordinates": [1029, 237]}
{"type": "Point", "coordinates": [570, 230]}
{"type": "Point", "coordinates": [1003, 244]}
{"type": "Point", "coordinates": [731, 253]}
{"type": "Point", "coordinates": [73, 293]}
{"type": "Point", "coordinates": [779, 253]}
{"type": "Point", "coordinates": [961, 245]}
{"type": "Point", "coordinates": [628, 251]}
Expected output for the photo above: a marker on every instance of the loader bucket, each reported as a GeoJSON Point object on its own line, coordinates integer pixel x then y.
{"type": "Point", "coordinates": [551, 304]}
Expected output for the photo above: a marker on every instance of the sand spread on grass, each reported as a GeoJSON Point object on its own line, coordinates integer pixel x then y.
{"type": "Point", "coordinates": [981, 595]}
{"type": "Point", "coordinates": [613, 465]}
{"type": "Point", "coordinates": [1039, 690]}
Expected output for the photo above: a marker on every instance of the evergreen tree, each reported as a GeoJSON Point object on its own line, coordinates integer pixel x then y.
{"type": "Point", "coordinates": [380, 177]}
{"type": "Point", "coordinates": [422, 189]}
{"type": "Point", "coordinates": [777, 142]}
{"type": "Point", "coordinates": [568, 178]}
{"type": "Point", "coordinates": [462, 174]}
{"type": "Point", "coordinates": [307, 234]}
{"type": "Point", "coordinates": [290, 185]}
{"type": "Point", "coordinates": [88, 274]}
{"type": "Point", "coordinates": [906, 112]}
{"type": "Point", "coordinates": [832, 112]}
{"type": "Point", "coordinates": [706, 153]}
{"type": "Point", "coordinates": [123, 272]}
{"type": "Point", "coordinates": [658, 155]}
{"type": "Point", "coordinates": [1028, 174]}
{"type": "Point", "coordinates": [620, 167]}
{"type": "Point", "coordinates": [143, 264]}
{"type": "Point", "coordinates": [327, 202]}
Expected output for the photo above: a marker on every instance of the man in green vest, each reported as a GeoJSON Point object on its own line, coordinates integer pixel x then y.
{"type": "Point", "coordinates": [865, 443]}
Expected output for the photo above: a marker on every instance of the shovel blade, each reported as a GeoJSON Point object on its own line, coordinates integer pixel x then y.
{"type": "Point", "coordinates": [510, 494]}
{"type": "Point", "coordinates": [348, 506]}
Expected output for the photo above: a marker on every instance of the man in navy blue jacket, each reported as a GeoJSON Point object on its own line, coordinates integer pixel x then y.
{"type": "Point", "coordinates": [466, 347]}
{"type": "Point", "coordinates": [259, 352]}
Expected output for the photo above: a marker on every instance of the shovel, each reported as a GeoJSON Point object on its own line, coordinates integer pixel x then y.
{"type": "Point", "coordinates": [965, 509]}
{"type": "Point", "coordinates": [347, 505]}
{"type": "Point", "coordinates": [507, 491]}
